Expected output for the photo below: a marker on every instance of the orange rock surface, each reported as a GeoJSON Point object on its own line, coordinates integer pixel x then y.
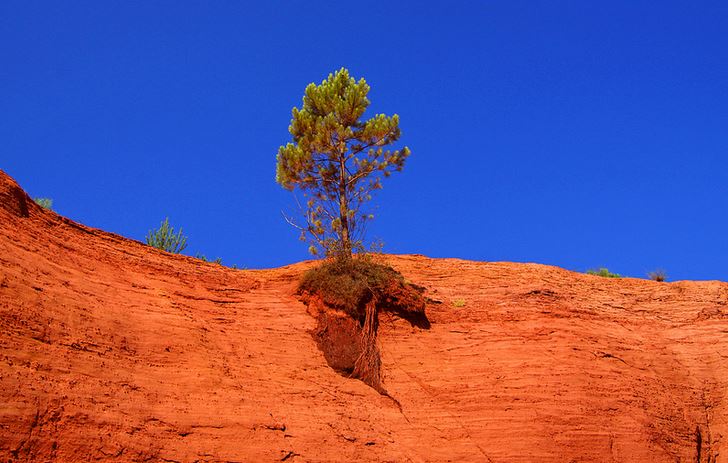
{"type": "Point", "coordinates": [113, 351]}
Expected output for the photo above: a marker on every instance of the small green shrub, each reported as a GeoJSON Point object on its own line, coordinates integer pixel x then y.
{"type": "Point", "coordinates": [165, 239]}
{"type": "Point", "coordinates": [657, 275]}
{"type": "Point", "coordinates": [458, 303]}
{"type": "Point", "coordinates": [203, 258]}
{"type": "Point", "coordinates": [45, 203]}
{"type": "Point", "coordinates": [603, 272]}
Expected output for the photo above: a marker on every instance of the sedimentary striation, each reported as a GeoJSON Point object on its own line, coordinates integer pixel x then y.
{"type": "Point", "coordinates": [113, 351]}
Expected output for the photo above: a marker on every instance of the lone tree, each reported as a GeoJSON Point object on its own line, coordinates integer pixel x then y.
{"type": "Point", "coordinates": [337, 161]}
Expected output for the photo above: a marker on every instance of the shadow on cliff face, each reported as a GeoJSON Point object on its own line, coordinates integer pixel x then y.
{"type": "Point", "coordinates": [347, 296]}
{"type": "Point", "coordinates": [13, 198]}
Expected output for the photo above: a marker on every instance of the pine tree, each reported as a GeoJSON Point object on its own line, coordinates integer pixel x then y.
{"type": "Point", "coordinates": [165, 239]}
{"type": "Point", "coordinates": [337, 161]}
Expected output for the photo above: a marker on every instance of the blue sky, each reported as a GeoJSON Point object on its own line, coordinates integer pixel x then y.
{"type": "Point", "coordinates": [577, 134]}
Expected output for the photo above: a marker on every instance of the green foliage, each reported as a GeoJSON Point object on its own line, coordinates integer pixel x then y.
{"type": "Point", "coordinates": [203, 258]}
{"type": "Point", "coordinates": [337, 161]}
{"type": "Point", "coordinates": [348, 284]}
{"type": "Point", "coordinates": [458, 303]}
{"type": "Point", "coordinates": [657, 275]}
{"type": "Point", "coordinates": [603, 272]}
{"type": "Point", "coordinates": [45, 203]}
{"type": "Point", "coordinates": [165, 239]}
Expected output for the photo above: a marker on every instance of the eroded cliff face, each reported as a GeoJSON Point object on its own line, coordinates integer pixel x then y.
{"type": "Point", "coordinates": [113, 351]}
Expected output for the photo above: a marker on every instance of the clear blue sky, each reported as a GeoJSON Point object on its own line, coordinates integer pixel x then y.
{"type": "Point", "coordinates": [578, 134]}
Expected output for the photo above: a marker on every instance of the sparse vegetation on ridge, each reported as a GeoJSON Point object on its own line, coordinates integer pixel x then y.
{"type": "Point", "coordinates": [204, 258]}
{"type": "Point", "coordinates": [164, 238]}
{"type": "Point", "coordinates": [657, 275]}
{"type": "Point", "coordinates": [603, 272]}
{"type": "Point", "coordinates": [45, 203]}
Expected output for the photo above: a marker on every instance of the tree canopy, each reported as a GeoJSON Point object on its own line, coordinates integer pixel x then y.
{"type": "Point", "coordinates": [337, 161]}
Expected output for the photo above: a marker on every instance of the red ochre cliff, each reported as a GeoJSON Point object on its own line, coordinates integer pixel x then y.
{"type": "Point", "coordinates": [114, 351]}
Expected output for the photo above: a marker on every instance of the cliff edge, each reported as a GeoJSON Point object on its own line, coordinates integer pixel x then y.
{"type": "Point", "coordinates": [114, 351]}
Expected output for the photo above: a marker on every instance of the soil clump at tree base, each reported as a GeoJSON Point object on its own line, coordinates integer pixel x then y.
{"type": "Point", "coordinates": [348, 296]}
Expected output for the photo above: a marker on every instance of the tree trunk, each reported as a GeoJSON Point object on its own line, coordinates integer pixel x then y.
{"type": "Point", "coordinates": [344, 211]}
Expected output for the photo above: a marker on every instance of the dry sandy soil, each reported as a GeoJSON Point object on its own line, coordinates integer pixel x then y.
{"type": "Point", "coordinates": [114, 351]}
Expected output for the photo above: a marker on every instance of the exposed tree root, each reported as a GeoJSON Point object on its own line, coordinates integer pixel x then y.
{"type": "Point", "coordinates": [348, 322]}
{"type": "Point", "coordinates": [367, 367]}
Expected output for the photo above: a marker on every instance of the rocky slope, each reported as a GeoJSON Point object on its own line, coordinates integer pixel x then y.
{"type": "Point", "coordinates": [113, 351]}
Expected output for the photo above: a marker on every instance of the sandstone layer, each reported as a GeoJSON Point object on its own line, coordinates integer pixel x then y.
{"type": "Point", "coordinates": [113, 351]}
